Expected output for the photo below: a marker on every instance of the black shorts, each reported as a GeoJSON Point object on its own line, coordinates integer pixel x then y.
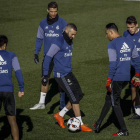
{"type": "Point", "coordinates": [9, 103]}
{"type": "Point", "coordinates": [50, 67]}
{"type": "Point", "coordinates": [71, 87]}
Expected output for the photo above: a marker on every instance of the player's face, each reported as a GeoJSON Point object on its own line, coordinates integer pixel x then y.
{"type": "Point", "coordinates": [132, 28]}
{"type": "Point", "coordinates": [109, 34]}
{"type": "Point", "coordinates": [52, 12]}
{"type": "Point", "coordinates": [72, 33]}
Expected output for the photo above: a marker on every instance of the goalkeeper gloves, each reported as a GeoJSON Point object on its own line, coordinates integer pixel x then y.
{"type": "Point", "coordinates": [45, 80]}
{"type": "Point", "coordinates": [136, 80]}
{"type": "Point", "coordinates": [36, 59]}
{"type": "Point", "coordinates": [108, 85]}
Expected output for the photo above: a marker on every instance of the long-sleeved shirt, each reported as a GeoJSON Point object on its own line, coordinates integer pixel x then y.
{"type": "Point", "coordinates": [136, 40]}
{"type": "Point", "coordinates": [49, 33]}
{"type": "Point", "coordinates": [61, 53]}
{"type": "Point", "coordinates": [121, 51]}
{"type": "Point", "coordinates": [8, 62]}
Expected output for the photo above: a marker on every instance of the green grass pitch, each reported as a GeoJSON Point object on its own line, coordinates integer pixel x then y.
{"type": "Point", "coordinates": [19, 21]}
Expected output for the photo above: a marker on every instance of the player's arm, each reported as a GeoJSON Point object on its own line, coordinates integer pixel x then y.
{"type": "Point", "coordinates": [136, 60]}
{"type": "Point", "coordinates": [18, 74]}
{"type": "Point", "coordinates": [52, 51]}
{"type": "Point", "coordinates": [39, 41]}
{"type": "Point", "coordinates": [112, 67]}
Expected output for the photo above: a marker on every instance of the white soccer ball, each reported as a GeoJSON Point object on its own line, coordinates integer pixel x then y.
{"type": "Point", "coordinates": [73, 124]}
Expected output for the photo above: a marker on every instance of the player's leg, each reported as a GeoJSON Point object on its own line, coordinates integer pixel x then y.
{"type": "Point", "coordinates": [44, 90]}
{"type": "Point", "coordinates": [117, 88]}
{"type": "Point", "coordinates": [104, 112]}
{"type": "Point", "coordinates": [135, 99]}
{"type": "Point", "coordinates": [72, 88]}
{"type": "Point", "coordinates": [10, 111]}
{"type": "Point", "coordinates": [136, 102]}
{"type": "Point", "coordinates": [14, 127]}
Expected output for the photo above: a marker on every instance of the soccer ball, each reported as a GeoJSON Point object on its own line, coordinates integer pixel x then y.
{"type": "Point", "coordinates": [73, 124]}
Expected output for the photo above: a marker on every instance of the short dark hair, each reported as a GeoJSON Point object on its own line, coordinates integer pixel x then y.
{"type": "Point", "coordinates": [131, 19]}
{"type": "Point", "coordinates": [72, 26]}
{"type": "Point", "coordinates": [52, 5]}
{"type": "Point", "coordinates": [112, 26]}
{"type": "Point", "coordinates": [3, 40]}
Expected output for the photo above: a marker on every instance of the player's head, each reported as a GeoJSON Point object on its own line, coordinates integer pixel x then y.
{"type": "Point", "coordinates": [111, 31]}
{"type": "Point", "coordinates": [71, 30]}
{"type": "Point", "coordinates": [3, 42]}
{"type": "Point", "coordinates": [132, 25]}
{"type": "Point", "coordinates": [52, 9]}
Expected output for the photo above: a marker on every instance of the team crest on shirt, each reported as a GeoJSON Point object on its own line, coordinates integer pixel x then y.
{"type": "Point", "coordinates": [57, 27]}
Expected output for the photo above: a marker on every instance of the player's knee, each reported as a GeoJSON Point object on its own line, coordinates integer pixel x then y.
{"type": "Point", "coordinates": [78, 98]}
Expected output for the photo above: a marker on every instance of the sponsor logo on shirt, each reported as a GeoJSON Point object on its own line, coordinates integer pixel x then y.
{"type": "Point", "coordinates": [125, 58]}
{"type": "Point", "coordinates": [2, 62]}
{"type": "Point", "coordinates": [139, 40]}
{"type": "Point", "coordinates": [51, 34]}
{"type": "Point", "coordinates": [125, 48]}
{"type": "Point", "coordinates": [68, 54]}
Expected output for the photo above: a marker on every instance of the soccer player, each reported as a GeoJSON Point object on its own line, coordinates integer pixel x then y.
{"type": "Point", "coordinates": [9, 61]}
{"type": "Point", "coordinates": [120, 51]}
{"type": "Point", "coordinates": [61, 52]}
{"type": "Point", "coordinates": [133, 33]}
{"type": "Point", "coordinates": [49, 29]}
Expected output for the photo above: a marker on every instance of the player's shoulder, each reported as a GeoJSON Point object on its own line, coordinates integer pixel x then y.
{"type": "Point", "coordinates": [61, 19]}
{"type": "Point", "coordinates": [43, 21]}
{"type": "Point", "coordinates": [126, 33]}
{"type": "Point", "coordinates": [59, 40]}
{"type": "Point", "coordinates": [138, 33]}
{"type": "Point", "coordinates": [12, 54]}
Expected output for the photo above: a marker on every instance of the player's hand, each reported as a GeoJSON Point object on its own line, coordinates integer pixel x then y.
{"type": "Point", "coordinates": [20, 94]}
{"type": "Point", "coordinates": [108, 85]}
{"type": "Point", "coordinates": [136, 80]}
{"type": "Point", "coordinates": [45, 80]}
{"type": "Point", "coordinates": [36, 58]}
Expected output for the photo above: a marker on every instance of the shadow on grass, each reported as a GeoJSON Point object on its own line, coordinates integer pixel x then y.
{"type": "Point", "coordinates": [126, 106]}
{"type": "Point", "coordinates": [5, 131]}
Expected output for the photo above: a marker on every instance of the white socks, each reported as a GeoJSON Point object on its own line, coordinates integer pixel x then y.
{"type": "Point", "coordinates": [42, 97]}
{"type": "Point", "coordinates": [63, 112]}
{"type": "Point", "coordinates": [80, 119]}
{"type": "Point", "coordinates": [137, 109]}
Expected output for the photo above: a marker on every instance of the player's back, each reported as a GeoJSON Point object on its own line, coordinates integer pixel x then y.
{"type": "Point", "coordinates": [6, 70]}
{"type": "Point", "coordinates": [123, 48]}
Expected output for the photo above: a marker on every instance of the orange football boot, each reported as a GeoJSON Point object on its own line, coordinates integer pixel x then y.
{"type": "Point", "coordinates": [85, 128]}
{"type": "Point", "coordinates": [59, 120]}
